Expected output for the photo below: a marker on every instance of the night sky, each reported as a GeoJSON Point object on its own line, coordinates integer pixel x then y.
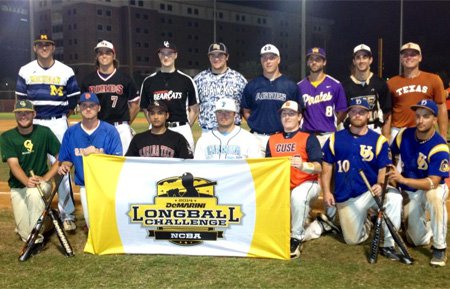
{"type": "Point", "coordinates": [425, 22]}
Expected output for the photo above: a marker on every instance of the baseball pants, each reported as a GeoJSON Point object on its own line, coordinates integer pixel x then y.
{"type": "Point", "coordinates": [419, 229]}
{"type": "Point", "coordinates": [27, 205]}
{"type": "Point", "coordinates": [301, 198]}
{"type": "Point", "coordinates": [124, 131]}
{"type": "Point", "coordinates": [66, 204]}
{"type": "Point", "coordinates": [353, 216]}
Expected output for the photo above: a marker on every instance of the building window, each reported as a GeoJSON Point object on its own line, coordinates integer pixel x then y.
{"type": "Point", "coordinates": [162, 6]}
{"type": "Point", "coordinates": [141, 3]}
{"type": "Point", "coordinates": [99, 12]}
{"type": "Point", "coordinates": [189, 10]}
{"type": "Point", "coordinates": [108, 13]}
{"type": "Point", "coordinates": [145, 31]}
{"type": "Point", "coordinates": [138, 30]}
{"type": "Point", "coordinates": [99, 27]}
{"type": "Point", "coordinates": [163, 20]}
{"type": "Point", "coordinates": [132, 2]}
{"type": "Point", "coordinates": [138, 44]}
{"type": "Point", "coordinates": [169, 7]}
{"type": "Point", "coordinates": [146, 45]}
{"type": "Point", "coordinates": [138, 16]}
{"type": "Point", "coordinates": [196, 11]}
{"type": "Point", "coordinates": [108, 28]}
{"type": "Point", "coordinates": [145, 17]}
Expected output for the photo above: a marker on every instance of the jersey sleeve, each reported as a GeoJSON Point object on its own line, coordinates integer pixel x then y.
{"type": "Point", "coordinates": [54, 146]}
{"type": "Point", "coordinates": [133, 92]}
{"type": "Point", "coordinates": [439, 95]}
{"type": "Point", "coordinates": [73, 91]}
{"type": "Point", "coordinates": [7, 148]}
{"type": "Point", "coordinates": [145, 99]}
{"type": "Point", "coordinates": [115, 145]}
{"type": "Point", "coordinates": [132, 149]}
{"type": "Point", "coordinates": [64, 151]}
{"type": "Point", "coordinates": [341, 100]}
{"type": "Point", "coordinates": [199, 153]}
{"type": "Point", "coordinates": [328, 150]}
{"type": "Point", "coordinates": [246, 100]}
{"type": "Point", "coordinates": [313, 149]}
{"type": "Point", "coordinates": [184, 151]}
{"type": "Point", "coordinates": [385, 98]}
{"type": "Point", "coordinates": [21, 86]}
{"type": "Point", "coordinates": [438, 165]}
{"type": "Point", "coordinates": [192, 92]}
{"type": "Point", "coordinates": [382, 152]}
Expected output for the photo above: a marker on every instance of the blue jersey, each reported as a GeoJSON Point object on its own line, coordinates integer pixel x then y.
{"type": "Point", "coordinates": [350, 154]}
{"type": "Point", "coordinates": [105, 137]}
{"type": "Point", "coordinates": [264, 98]}
{"type": "Point", "coordinates": [53, 91]}
{"type": "Point", "coordinates": [421, 159]}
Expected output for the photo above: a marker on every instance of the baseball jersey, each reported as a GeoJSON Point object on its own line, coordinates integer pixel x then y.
{"type": "Point", "coordinates": [31, 150]}
{"type": "Point", "coordinates": [105, 137]}
{"type": "Point", "coordinates": [296, 143]}
{"type": "Point", "coordinates": [264, 98]}
{"type": "Point", "coordinates": [237, 144]}
{"type": "Point", "coordinates": [321, 104]}
{"type": "Point", "coordinates": [114, 92]}
{"type": "Point", "coordinates": [421, 159]}
{"type": "Point", "coordinates": [212, 87]}
{"type": "Point", "coordinates": [53, 91]}
{"type": "Point", "coordinates": [170, 144]}
{"type": "Point", "coordinates": [409, 91]}
{"type": "Point", "coordinates": [375, 91]}
{"type": "Point", "coordinates": [350, 154]}
{"type": "Point", "coordinates": [176, 88]}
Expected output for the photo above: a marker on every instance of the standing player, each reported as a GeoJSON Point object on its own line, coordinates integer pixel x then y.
{"type": "Point", "coordinates": [364, 84]}
{"type": "Point", "coordinates": [264, 96]}
{"type": "Point", "coordinates": [159, 141]}
{"type": "Point", "coordinates": [306, 157]}
{"type": "Point", "coordinates": [53, 90]}
{"type": "Point", "coordinates": [117, 92]}
{"type": "Point", "coordinates": [424, 156]}
{"type": "Point", "coordinates": [323, 97]}
{"type": "Point", "coordinates": [174, 87]}
{"type": "Point", "coordinates": [218, 81]}
{"type": "Point", "coordinates": [90, 136]}
{"type": "Point", "coordinates": [25, 148]}
{"type": "Point", "coordinates": [227, 141]}
{"type": "Point", "coordinates": [348, 151]}
{"type": "Point", "coordinates": [410, 87]}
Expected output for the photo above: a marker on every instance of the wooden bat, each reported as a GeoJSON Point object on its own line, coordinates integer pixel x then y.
{"type": "Point", "coordinates": [406, 258]}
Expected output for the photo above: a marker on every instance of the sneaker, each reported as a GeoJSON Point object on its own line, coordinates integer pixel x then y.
{"type": "Point", "coordinates": [439, 258]}
{"type": "Point", "coordinates": [39, 247]}
{"type": "Point", "coordinates": [390, 253]}
{"type": "Point", "coordinates": [296, 245]}
{"type": "Point", "coordinates": [328, 226]}
{"type": "Point", "coordinates": [69, 226]}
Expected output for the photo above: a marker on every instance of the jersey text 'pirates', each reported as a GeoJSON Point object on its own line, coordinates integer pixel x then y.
{"type": "Point", "coordinates": [114, 91]}
{"type": "Point", "coordinates": [350, 154]}
{"type": "Point", "coordinates": [176, 89]}
{"type": "Point", "coordinates": [421, 159]}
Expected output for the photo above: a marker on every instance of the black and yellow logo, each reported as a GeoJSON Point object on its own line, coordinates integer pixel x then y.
{"type": "Point", "coordinates": [185, 211]}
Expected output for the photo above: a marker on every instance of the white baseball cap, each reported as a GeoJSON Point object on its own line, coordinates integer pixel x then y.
{"type": "Point", "coordinates": [291, 105]}
{"type": "Point", "coordinates": [105, 44]}
{"type": "Point", "coordinates": [270, 48]}
{"type": "Point", "coordinates": [362, 47]}
{"type": "Point", "coordinates": [226, 104]}
{"type": "Point", "coordinates": [412, 46]}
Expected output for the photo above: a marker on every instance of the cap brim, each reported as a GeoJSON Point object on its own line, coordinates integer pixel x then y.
{"type": "Point", "coordinates": [357, 105]}
{"type": "Point", "coordinates": [367, 51]}
{"type": "Point", "coordinates": [415, 107]}
{"type": "Point", "coordinates": [44, 41]}
{"type": "Point", "coordinates": [23, 109]}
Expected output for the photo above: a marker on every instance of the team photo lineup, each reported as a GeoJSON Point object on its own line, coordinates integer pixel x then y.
{"type": "Point", "coordinates": [374, 151]}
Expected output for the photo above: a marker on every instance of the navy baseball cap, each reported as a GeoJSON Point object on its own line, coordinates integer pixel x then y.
{"type": "Point", "coordinates": [168, 45]}
{"type": "Point", "coordinates": [426, 104]}
{"type": "Point", "coordinates": [358, 102]}
{"type": "Point", "coordinates": [44, 38]}
{"type": "Point", "coordinates": [316, 51]}
{"type": "Point", "coordinates": [89, 97]}
{"type": "Point", "coordinates": [217, 47]}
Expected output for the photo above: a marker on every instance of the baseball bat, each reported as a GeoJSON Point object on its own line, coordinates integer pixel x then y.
{"type": "Point", "coordinates": [27, 249]}
{"type": "Point", "coordinates": [62, 237]}
{"type": "Point", "coordinates": [406, 258]}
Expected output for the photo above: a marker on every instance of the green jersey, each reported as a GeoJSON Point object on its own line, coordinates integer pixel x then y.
{"type": "Point", "coordinates": [31, 150]}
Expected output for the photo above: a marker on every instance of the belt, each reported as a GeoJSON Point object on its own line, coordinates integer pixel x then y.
{"type": "Point", "coordinates": [50, 117]}
{"type": "Point", "coordinates": [120, 122]}
{"type": "Point", "coordinates": [176, 123]}
{"type": "Point", "coordinates": [263, 133]}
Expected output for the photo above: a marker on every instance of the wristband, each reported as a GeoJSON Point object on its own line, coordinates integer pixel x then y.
{"type": "Point", "coordinates": [308, 168]}
{"type": "Point", "coordinates": [431, 183]}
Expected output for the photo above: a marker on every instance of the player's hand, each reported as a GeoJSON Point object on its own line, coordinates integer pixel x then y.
{"type": "Point", "coordinates": [63, 169]}
{"type": "Point", "coordinates": [377, 189]}
{"type": "Point", "coordinates": [33, 181]}
{"type": "Point", "coordinates": [394, 175]}
{"type": "Point", "coordinates": [328, 200]}
{"type": "Point", "coordinates": [296, 161]}
{"type": "Point", "coordinates": [89, 150]}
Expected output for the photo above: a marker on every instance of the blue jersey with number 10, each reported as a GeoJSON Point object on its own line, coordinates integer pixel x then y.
{"type": "Point", "coordinates": [350, 154]}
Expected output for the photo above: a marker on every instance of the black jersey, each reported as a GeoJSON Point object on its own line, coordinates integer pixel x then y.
{"type": "Point", "coordinates": [375, 90]}
{"type": "Point", "coordinates": [177, 89]}
{"type": "Point", "coordinates": [170, 144]}
{"type": "Point", "coordinates": [114, 91]}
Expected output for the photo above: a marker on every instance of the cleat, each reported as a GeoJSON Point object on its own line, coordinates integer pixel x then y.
{"type": "Point", "coordinates": [390, 253]}
{"type": "Point", "coordinates": [39, 247]}
{"type": "Point", "coordinates": [328, 226]}
{"type": "Point", "coordinates": [439, 258]}
{"type": "Point", "coordinates": [296, 246]}
{"type": "Point", "coordinates": [69, 226]}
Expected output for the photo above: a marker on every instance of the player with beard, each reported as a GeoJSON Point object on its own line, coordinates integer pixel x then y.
{"type": "Point", "coordinates": [176, 89]}
{"type": "Point", "coordinates": [25, 148]}
{"type": "Point", "coordinates": [424, 156]}
{"type": "Point", "coordinates": [159, 141]}
{"type": "Point", "coordinates": [364, 84]}
{"type": "Point", "coordinates": [117, 92]}
{"type": "Point", "coordinates": [323, 97]}
{"type": "Point", "coordinates": [347, 152]}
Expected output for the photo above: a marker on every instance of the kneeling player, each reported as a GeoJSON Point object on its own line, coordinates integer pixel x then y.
{"type": "Point", "coordinates": [304, 150]}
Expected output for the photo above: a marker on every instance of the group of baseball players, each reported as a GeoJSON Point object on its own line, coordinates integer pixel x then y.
{"type": "Point", "coordinates": [329, 130]}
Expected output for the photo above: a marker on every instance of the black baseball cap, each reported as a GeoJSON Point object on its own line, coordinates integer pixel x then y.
{"type": "Point", "coordinates": [43, 38]}
{"type": "Point", "coordinates": [168, 45]}
{"type": "Point", "coordinates": [217, 47]}
{"type": "Point", "coordinates": [158, 104]}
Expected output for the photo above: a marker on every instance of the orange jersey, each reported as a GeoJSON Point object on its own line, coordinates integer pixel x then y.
{"type": "Point", "coordinates": [409, 91]}
{"type": "Point", "coordinates": [295, 146]}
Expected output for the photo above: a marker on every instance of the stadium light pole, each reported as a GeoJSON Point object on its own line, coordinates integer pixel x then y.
{"type": "Point", "coordinates": [401, 35]}
{"type": "Point", "coordinates": [214, 21]}
{"type": "Point", "coordinates": [31, 22]}
{"type": "Point", "coordinates": [303, 40]}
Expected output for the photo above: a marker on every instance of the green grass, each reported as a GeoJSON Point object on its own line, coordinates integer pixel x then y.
{"type": "Point", "coordinates": [325, 263]}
